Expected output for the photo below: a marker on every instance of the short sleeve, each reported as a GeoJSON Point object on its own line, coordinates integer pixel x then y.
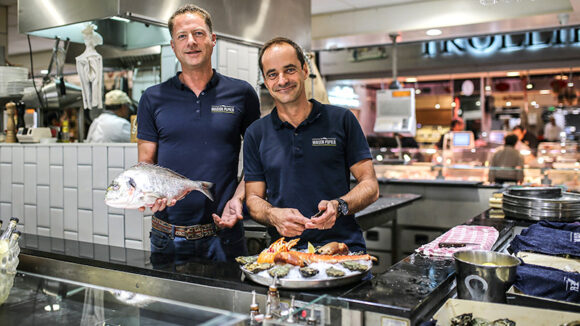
{"type": "Point", "coordinates": [146, 127]}
{"type": "Point", "coordinates": [253, 169]}
{"type": "Point", "coordinates": [252, 108]}
{"type": "Point", "coordinates": [357, 147]}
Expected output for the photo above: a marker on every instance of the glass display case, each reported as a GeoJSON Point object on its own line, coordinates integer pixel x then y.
{"type": "Point", "coordinates": [39, 300]}
{"type": "Point", "coordinates": [554, 164]}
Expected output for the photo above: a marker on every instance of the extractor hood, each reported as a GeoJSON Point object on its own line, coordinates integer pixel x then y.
{"type": "Point", "coordinates": [134, 24]}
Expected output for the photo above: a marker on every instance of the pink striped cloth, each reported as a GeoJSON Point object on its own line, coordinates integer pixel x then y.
{"type": "Point", "coordinates": [475, 237]}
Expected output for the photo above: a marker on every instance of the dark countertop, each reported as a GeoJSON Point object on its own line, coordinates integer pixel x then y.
{"type": "Point", "coordinates": [412, 288]}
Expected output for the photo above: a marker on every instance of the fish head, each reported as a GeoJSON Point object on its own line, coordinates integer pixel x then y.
{"type": "Point", "coordinates": [123, 193]}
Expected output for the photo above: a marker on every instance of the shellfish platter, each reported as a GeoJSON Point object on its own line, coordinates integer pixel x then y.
{"type": "Point", "coordinates": [294, 269]}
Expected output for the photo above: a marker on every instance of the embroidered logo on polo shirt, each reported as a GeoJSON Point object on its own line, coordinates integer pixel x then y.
{"type": "Point", "coordinates": [223, 109]}
{"type": "Point", "coordinates": [323, 141]}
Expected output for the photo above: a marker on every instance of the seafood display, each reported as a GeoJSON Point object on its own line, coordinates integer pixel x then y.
{"type": "Point", "coordinates": [142, 184]}
{"type": "Point", "coordinates": [298, 269]}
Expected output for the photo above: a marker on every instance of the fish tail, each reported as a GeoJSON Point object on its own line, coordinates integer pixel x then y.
{"type": "Point", "coordinates": [203, 187]}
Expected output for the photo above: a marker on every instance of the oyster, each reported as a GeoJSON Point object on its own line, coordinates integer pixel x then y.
{"type": "Point", "coordinates": [462, 320]}
{"type": "Point", "coordinates": [503, 322]}
{"type": "Point", "coordinates": [244, 260]}
{"type": "Point", "coordinates": [280, 270]}
{"type": "Point", "coordinates": [257, 267]}
{"type": "Point", "coordinates": [333, 272]}
{"type": "Point", "coordinates": [308, 271]}
{"type": "Point", "coordinates": [354, 266]}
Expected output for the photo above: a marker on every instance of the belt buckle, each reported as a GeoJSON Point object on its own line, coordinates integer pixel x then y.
{"type": "Point", "coordinates": [193, 233]}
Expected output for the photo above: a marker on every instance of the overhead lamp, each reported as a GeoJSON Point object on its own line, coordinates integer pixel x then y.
{"type": "Point", "coordinates": [529, 85]}
{"type": "Point", "coordinates": [570, 84]}
{"type": "Point", "coordinates": [545, 91]}
{"type": "Point", "coordinates": [434, 32]}
{"type": "Point", "coordinates": [453, 104]}
{"type": "Point", "coordinates": [411, 80]}
{"type": "Point", "coordinates": [418, 91]}
{"type": "Point", "coordinates": [533, 103]}
{"type": "Point", "coordinates": [488, 88]}
{"type": "Point", "coordinates": [478, 103]}
{"type": "Point", "coordinates": [437, 106]}
{"type": "Point", "coordinates": [513, 73]}
{"type": "Point", "coordinates": [508, 103]}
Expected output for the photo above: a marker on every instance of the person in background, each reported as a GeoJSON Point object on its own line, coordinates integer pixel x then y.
{"type": "Point", "coordinates": [457, 124]}
{"type": "Point", "coordinates": [299, 158]}
{"type": "Point", "coordinates": [112, 125]}
{"type": "Point", "coordinates": [526, 138]}
{"type": "Point", "coordinates": [193, 124]}
{"type": "Point", "coordinates": [509, 162]}
{"type": "Point", "coordinates": [552, 130]}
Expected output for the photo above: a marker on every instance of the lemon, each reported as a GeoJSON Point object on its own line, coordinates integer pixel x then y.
{"type": "Point", "coordinates": [310, 248]}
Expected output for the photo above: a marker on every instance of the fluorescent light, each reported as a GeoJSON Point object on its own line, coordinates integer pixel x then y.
{"type": "Point", "coordinates": [545, 91]}
{"type": "Point", "coordinates": [529, 85]}
{"type": "Point", "coordinates": [508, 103]}
{"type": "Point", "coordinates": [453, 104]}
{"type": "Point", "coordinates": [533, 103]}
{"type": "Point", "coordinates": [418, 91]}
{"type": "Point", "coordinates": [437, 106]}
{"type": "Point", "coordinates": [478, 103]}
{"type": "Point", "coordinates": [44, 72]}
{"type": "Point", "coordinates": [121, 19]}
{"type": "Point", "coordinates": [411, 80]}
{"type": "Point", "coordinates": [570, 84]}
{"type": "Point", "coordinates": [513, 73]}
{"type": "Point", "coordinates": [434, 32]}
{"type": "Point", "coordinates": [487, 88]}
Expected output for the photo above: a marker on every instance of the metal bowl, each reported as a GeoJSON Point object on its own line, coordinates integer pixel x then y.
{"type": "Point", "coordinates": [484, 275]}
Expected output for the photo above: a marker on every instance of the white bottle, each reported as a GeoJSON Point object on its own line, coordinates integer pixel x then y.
{"type": "Point", "coordinates": [11, 228]}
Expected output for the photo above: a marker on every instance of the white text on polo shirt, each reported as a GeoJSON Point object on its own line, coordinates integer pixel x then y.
{"type": "Point", "coordinates": [323, 141]}
{"type": "Point", "coordinates": [223, 109]}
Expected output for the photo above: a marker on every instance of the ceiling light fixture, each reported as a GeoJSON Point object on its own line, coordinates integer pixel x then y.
{"type": "Point", "coordinates": [411, 80]}
{"type": "Point", "coordinates": [545, 91]}
{"type": "Point", "coordinates": [434, 32]}
{"type": "Point", "coordinates": [513, 73]}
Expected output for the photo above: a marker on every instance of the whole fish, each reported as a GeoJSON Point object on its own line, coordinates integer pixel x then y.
{"type": "Point", "coordinates": [142, 184]}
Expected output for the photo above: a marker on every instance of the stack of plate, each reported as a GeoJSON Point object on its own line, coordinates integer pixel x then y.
{"type": "Point", "coordinates": [541, 203]}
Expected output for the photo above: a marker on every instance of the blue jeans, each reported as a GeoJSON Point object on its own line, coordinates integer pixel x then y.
{"type": "Point", "coordinates": [183, 249]}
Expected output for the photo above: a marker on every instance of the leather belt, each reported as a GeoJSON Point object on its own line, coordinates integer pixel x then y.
{"type": "Point", "coordinates": [191, 232]}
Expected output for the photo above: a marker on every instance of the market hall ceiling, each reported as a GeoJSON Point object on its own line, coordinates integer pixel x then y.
{"type": "Point", "coordinates": [356, 23]}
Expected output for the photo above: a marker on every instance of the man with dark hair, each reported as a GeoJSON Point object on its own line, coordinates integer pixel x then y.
{"type": "Point", "coordinates": [507, 163]}
{"type": "Point", "coordinates": [193, 124]}
{"type": "Point", "coordinates": [112, 125]}
{"type": "Point", "coordinates": [457, 124]}
{"type": "Point", "coordinates": [301, 155]}
{"type": "Point", "coordinates": [526, 137]}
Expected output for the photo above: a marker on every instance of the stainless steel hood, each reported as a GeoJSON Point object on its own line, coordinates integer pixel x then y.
{"type": "Point", "coordinates": [134, 24]}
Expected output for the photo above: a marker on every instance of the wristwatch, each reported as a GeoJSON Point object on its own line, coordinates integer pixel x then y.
{"type": "Point", "coordinates": [342, 207]}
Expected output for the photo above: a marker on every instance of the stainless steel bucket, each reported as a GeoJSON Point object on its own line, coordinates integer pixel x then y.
{"type": "Point", "coordinates": [484, 275]}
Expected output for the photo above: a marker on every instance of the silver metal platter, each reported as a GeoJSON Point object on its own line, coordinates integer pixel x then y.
{"type": "Point", "coordinates": [540, 192]}
{"type": "Point", "coordinates": [563, 208]}
{"type": "Point", "coordinates": [321, 281]}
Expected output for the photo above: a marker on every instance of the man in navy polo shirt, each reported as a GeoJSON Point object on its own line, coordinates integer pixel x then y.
{"type": "Point", "coordinates": [193, 124]}
{"type": "Point", "coordinates": [298, 159]}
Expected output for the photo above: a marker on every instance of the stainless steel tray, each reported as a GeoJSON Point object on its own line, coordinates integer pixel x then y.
{"type": "Point", "coordinates": [540, 192]}
{"type": "Point", "coordinates": [563, 208]}
{"type": "Point", "coordinates": [305, 283]}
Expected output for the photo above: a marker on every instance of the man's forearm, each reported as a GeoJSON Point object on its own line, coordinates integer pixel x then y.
{"type": "Point", "coordinates": [363, 194]}
{"type": "Point", "coordinates": [240, 192]}
{"type": "Point", "coordinates": [259, 209]}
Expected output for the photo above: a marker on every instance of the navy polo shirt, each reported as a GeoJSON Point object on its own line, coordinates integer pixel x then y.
{"type": "Point", "coordinates": [304, 165]}
{"type": "Point", "coordinates": [200, 138]}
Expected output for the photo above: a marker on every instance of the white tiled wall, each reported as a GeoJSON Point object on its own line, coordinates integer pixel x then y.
{"type": "Point", "coordinates": [58, 190]}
